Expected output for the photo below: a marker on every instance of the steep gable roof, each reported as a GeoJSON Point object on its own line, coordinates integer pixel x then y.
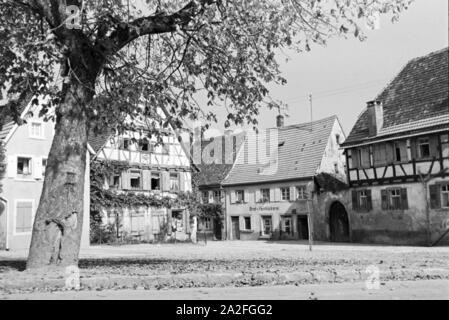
{"type": "Point", "coordinates": [7, 124]}
{"type": "Point", "coordinates": [300, 151]}
{"type": "Point", "coordinates": [417, 98]}
{"type": "Point", "coordinates": [214, 174]}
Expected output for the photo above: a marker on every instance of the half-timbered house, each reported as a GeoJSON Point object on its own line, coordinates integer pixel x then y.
{"type": "Point", "coordinates": [147, 167]}
{"type": "Point", "coordinates": [398, 156]}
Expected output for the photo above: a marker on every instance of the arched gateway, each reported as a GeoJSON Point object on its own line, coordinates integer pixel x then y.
{"type": "Point", "coordinates": [338, 223]}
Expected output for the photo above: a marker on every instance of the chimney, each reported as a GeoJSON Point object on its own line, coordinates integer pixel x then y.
{"type": "Point", "coordinates": [280, 121]}
{"type": "Point", "coordinates": [375, 117]}
{"type": "Point", "coordinates": [228, 132]}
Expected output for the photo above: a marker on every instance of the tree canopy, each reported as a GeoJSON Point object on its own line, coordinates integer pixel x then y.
{"type": "Point", "coordinates": [165, 53]}
{"type": "Point", "coordinates": [100, 62]}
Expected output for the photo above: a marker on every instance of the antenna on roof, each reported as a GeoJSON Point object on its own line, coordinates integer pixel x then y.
{"type": "Point", "coordinates": [311, 111]}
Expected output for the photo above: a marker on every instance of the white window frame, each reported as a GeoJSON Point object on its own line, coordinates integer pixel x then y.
{"type": "Point", "coordinates": [301, 193]}
{"type": "Point", "coordinates": [176, 186]}
{"type": "Point", "coordinates": [262, 196]}
{"type": "Point", "coordinates": [289, 194]}
{"type": "Point", "coordinates": [31, 175]}
{"type": "Point", "coordinates": [30, 129]}
{"type": "Point", "coordinates": [283, 224]}
{"type": "Point", "coordinates": [14, 221]}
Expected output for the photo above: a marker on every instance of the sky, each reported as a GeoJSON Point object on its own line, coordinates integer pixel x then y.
{"type": "Point", "coordinates": [347, 73]}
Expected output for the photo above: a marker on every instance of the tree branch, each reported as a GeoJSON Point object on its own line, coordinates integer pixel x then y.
{"type": "Point", "coordinates": [155, 24]}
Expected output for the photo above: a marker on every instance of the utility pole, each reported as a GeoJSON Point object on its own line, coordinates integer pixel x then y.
{"type": "Point", "coordinates": [311, 111]}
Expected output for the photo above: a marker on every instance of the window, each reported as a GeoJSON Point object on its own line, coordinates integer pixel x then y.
{"type": "Point", "coordinates": [174, 181]}
{"type": "Point", "coordinates": [267, 226]}
{"type": "Point", "coordinates": [115, 182]}
{"type": "Point", "coordinates": [145, 146]}
{"type": "Point", "coordinates": [301, 193]}
{"type": "Point", "coordinates": [240, 195]}
{"type": "Point", "coordinates": [165, 149]}
{"type": "Point", "coordinates": [350, 160]}
{"type": "Point", "coordinates": [445, 145]}
{"type": "Point", "coordinates": [247, 223]}
{"type": "Point", "coordinates": [445, 196]}
{"type": "Point", "coordinates": [395, 199]}
{"type": "Point", "coordinates": [217, 196]}
{"type": "Point", "coordinates": [423, 148]}
{"type": "Point", "coordinates": [136, 180]}
{"type": "Point", "coordinates": [285, 194]}
{"type": "Point", "coordinates": [44, 166]}
{"type": "Point", "coordinates": [362, 200]}
{"type": "Point", "coordinates": [24, 166]}
{"type": "Point", "coordinates": [286, 224]}
{"type": "Point", "coordinates": [155, 181]}
{"type": "Point", "coordinates": [36, 130]}
{"type": "Point", "coordinates": [126, 144]}
{"type": "Point", "coordinates": [400, 151]}
{"type": "Point", "coordinates": [24, 216]}
{"type": "Point", "coordinates": [205, 196]}
{"type": "Point", "coordinates": [265, 195]}
{"type": "Point", "coordinates": [206, 224]}
{"type": "Point", "coordinates": [337, 138]}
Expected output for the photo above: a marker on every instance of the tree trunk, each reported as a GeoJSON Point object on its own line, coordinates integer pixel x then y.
{"type": "Point", "coordinates": [58, 224]}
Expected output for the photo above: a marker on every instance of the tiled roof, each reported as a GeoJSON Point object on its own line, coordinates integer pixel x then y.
{"type": "Point", "coordinates": [97, 141]}
{"type": "Point", "coordinates": [214, 174]}
{"type": "Point", "coordinates": [7, 121]}
{"type": "Point", "coordinates": [418, 97]}
{"type": "Point", "coordinates": [299, 155]}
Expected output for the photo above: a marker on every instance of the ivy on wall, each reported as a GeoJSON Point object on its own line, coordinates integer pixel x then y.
{"type": "Point", "coordinates": [102, 198]}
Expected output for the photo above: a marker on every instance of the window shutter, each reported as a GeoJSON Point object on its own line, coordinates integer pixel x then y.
{"type": "Point", "coordinates": [413, 148]}
{"type": "Point", "coordinates": [12, 166]}
{"type": "Point", "coordinates": [277, 194]}
{"type": "Point", "coordinates": [182, 181]}
{"type": "Point", "coordinates": [355, 202]}
{"type": "Point", "coordinates": [272, 195]}
{"type": "Point", "coordinates": [165, 181]}
{"type": "Point", "coordinates": [435, 196]}
{"type": "Point", "coordinates": [433, 141]}
{"type": "Point", "coordinates": [125, 180]}
{"type": "Point", "coordinates": [232, 196]}
{"type": "Point", "coordinates": [247, 195]}
{"type": "Point", "coordinates": [369, 199]}
{"type": "Point", "coordinates": [292, 193]}
{"type": "Point", "coordinates": [384, 196]}
{"type": "Point", "coordinates": [389, 148]}
{"type": "Point", "coordinates": [146, 178]}
{"type": "Point", "coordinates": [37, 168]}
{"type": "Point", "coordinates": [257, 196]}
{"type": "Point", "coordinates": [404, 199]}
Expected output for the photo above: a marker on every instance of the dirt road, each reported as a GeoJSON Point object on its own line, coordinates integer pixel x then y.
{"type": "Point", "coordinates": [424, 289]}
